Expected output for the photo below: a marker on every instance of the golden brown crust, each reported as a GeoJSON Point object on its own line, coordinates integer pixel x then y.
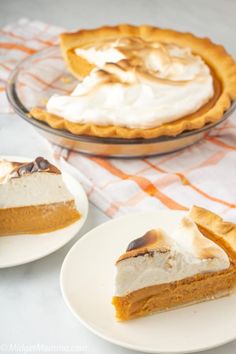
{"type": "Point", "coordinates": [213, 226]}
{"type": "Point", "coordinates": [221, 63]}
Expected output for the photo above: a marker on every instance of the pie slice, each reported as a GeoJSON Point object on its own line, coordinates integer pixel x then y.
{"type": "Point", "coordinates": [34, 198]}
{"type": "Point", "coordinates": [197, 262]}
{"type": "Point", "coordinates": [141, 82]}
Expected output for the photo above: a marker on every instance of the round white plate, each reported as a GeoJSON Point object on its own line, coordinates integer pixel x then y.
{"type": "Point", "coordinates": [20, 249]}
{"type": "Point", "coordinates": [87, 279]}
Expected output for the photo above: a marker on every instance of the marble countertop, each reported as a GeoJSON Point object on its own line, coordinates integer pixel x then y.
{"type": "Point", "coordinates": [32, 311]}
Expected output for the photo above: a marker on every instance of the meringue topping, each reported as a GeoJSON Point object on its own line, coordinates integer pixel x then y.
{"type": "Point", "coordinates": [136, 84]}
{"type": "Point", "coordinates": [158, 258]}
{"type": "Point", "coordinates": [153, 60]}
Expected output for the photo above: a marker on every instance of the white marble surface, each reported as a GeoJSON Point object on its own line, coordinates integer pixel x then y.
{"type": "Point", "coordinates": [32, 311]}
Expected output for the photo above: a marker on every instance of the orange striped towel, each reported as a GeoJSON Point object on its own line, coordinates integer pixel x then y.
{"type": "Point", "coordinates": [203, 174]}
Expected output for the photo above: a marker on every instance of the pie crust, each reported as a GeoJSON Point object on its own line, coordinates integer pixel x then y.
{"type": "Point", "coordinates": [191, 290]}
{"type": "Point", "coordinates": [222, 65]}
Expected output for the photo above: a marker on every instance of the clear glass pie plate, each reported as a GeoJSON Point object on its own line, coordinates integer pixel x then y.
{"type": "Point", "coordinates": [39, 76]}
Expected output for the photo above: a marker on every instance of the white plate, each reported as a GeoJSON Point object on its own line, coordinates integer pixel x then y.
{"type": "Point", "coordinates": [87, 279]}
{"type": "Point", "coordinates": [20, 249]}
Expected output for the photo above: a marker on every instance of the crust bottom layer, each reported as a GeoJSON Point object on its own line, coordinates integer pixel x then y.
{"type": "Point", "coordinates": [180, 293]}
{"type": "Point", "coordinates": [37, 219]}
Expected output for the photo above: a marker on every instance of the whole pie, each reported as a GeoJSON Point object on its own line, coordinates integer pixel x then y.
{"type": "Point", "coordinates": [34, 198]}
{"type": "Point", "coordinates": [141, 82]}
{"type": "Point", "coordinates": [161, 271]}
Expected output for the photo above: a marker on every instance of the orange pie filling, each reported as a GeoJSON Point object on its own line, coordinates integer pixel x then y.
{"type": "Point", "coordinates": [180, 293]}
{"type": "Point", "coordinates": [36, 219]}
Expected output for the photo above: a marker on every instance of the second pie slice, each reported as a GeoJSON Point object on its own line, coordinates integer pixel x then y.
{"type": "Point", "coordinates": [197, 262]}
{"type": "Point", "coordinates": [34, 198]}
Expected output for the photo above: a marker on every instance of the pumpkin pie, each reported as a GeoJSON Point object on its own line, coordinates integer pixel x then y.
{"type": "Point", "coordinates": [141, 82]}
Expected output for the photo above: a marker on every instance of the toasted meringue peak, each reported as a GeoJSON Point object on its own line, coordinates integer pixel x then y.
{"type": "Point", "coordinates": [155, 59]}
{"type": "Point", "coordinates": [153, 240]}
{"type": "Point", "coordinates": [12, 169]}
{"type": "Point", "coordinates": [158, 258]}
{"type": "Point", "coordinates": [190, 238]}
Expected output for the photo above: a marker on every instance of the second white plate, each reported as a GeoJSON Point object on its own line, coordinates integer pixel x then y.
{"type": "Point", "coordinates": [20, 249]}
{"type": "Point", "coordinates": [87, 279]}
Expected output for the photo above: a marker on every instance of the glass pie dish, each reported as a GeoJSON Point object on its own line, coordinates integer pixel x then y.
{"type": "Point", "coordinates": [39, 76]}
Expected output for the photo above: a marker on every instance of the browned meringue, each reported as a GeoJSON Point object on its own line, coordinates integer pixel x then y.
{"type": "Point", "coordinates": [136, 84]}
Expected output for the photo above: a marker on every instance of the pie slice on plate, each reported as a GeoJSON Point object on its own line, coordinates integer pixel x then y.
{"type": "Point", "coordinates": [34, 198]}
{"type": "Point", "coordinates": [197, 262]}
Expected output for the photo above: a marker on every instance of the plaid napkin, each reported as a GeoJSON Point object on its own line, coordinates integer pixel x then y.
{"type": "Point", "coordinates": [203, 174]}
